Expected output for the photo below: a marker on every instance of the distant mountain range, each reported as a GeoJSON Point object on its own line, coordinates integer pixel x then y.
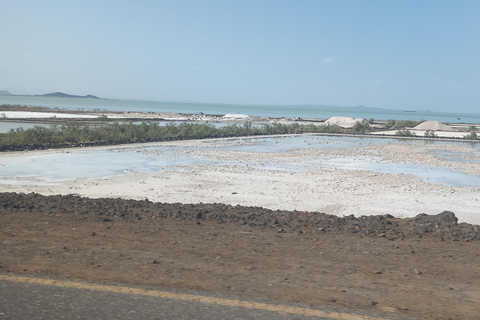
{"type": "Point", "coordinates": [53, 94]}
{"type": "Point", "coordinates": [64, 95]}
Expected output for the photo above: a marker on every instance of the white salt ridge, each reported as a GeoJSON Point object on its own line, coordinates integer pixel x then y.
{"type": "Point", "coordinates": [344, 122]}
{"type": "Point", "coordinates": [42, 115]}
{"type": "Point", "coordinates": [231, 116]}
{"type": "Point", "coordinates": [440, 130]}
{"type": "Point", "coordinates": [433, 125]}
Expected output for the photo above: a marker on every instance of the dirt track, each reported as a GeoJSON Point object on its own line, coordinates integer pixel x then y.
{"type": "Point", "coordinates": [425, 266]}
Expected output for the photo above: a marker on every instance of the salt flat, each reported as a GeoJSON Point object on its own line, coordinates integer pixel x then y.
{"type": "Point", "coordinates": [305, 179]}
{"type": "Point", "coordinates": [42, 115]}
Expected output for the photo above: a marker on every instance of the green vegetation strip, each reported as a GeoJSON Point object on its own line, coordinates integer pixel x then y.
{"type": "Point", "coordinates": [74, 134]}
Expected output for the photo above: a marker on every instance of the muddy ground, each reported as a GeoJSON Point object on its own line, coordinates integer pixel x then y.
{"type": "Point", "coordinates": [427, 266]}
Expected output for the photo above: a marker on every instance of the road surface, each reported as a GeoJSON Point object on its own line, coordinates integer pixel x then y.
{"type": "Point", "coordinates": [45, 298]}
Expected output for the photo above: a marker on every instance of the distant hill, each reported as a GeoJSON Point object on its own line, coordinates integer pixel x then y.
{"type": "Point", "coordinates": [64, 95]}
{"type": "Point", "coordinates": [5, 93]}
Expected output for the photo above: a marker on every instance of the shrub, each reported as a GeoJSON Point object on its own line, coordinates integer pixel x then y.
{"type": "Point", "coordinates": [329, 128]}
{"type": "Point", "coordinates": [361, 127]}
{"type": "Point", "coordinates": [404, 133]}
{"type": "Point", "coordinates": [402, 124]}
{"type": "Point", "coordinates": [430, 134]}
{"type": "Point", "coordinates": [473, 133]}
{"type": "Point", "coordinates": [471, 136]}
{"type": "Point", "coordinates": [390, 123]}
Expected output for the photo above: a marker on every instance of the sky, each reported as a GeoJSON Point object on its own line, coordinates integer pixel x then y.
{"type": "Point", "coordinates": [397, 54]}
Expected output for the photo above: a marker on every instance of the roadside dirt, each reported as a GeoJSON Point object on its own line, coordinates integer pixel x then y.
{"type": "Point", "coordinates": [426, 266]}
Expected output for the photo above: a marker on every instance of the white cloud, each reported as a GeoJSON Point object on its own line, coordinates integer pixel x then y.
{"type": "Point", "coordinates": [328, 60]}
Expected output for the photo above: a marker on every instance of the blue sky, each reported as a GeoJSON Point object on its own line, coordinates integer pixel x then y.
{"type": "Point", "coordinates": [399, 54]}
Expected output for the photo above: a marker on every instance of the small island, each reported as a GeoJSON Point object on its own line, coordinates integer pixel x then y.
{"type": "Point", "coordinates": [64, 95]}
{"type": "Point", "coordinates": [53, 94]}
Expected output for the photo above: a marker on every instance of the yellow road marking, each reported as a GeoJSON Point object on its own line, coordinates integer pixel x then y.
{"type": "Point", "coordinates": [189, 297]}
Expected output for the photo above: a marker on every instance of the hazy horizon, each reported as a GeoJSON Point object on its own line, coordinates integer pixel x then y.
{"type": "Point", "coordinates": [197, 102]}
{"type": "Point", "coordinates": [403, 55]}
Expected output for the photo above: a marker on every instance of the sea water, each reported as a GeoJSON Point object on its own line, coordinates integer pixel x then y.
{"type": "Point", "coordinates": [6, 126]}
{"type": "Point", "coordinates": [275, 111]}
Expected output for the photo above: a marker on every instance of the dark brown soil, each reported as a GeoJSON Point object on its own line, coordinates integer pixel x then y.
{"type": "Point", "coordinates": [425, 266]}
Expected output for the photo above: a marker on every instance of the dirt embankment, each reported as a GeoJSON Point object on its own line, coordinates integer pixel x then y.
{"type": "Point", "coordinates": [425, 266]}
{"type": "Point", "coordinates": [442, 226]}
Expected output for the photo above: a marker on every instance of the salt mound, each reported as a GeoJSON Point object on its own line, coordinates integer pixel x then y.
{"type": "Point", "coordinates": [433, 125]}
{"type": "Point", "coordinates": [344, 122]}
{"type": "Point", "coordinates": [231, 116]}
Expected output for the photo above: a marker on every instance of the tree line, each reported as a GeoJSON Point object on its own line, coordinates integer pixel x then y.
{"type": "Point", "coordinates": [75, 134]}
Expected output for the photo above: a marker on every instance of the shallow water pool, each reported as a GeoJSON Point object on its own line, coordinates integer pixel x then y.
{"type": "Point", "coordinates": [94, 164]}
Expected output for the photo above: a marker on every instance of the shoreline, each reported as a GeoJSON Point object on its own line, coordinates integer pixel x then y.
{"type": "Point", "coordinates": [161, 116]}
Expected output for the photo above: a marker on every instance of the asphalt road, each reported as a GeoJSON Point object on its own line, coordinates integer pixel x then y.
{"type": "Point", "coordinates": [45, 298]}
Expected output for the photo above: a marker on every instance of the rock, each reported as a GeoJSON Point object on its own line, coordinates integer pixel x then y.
{"type": "Point", "coordinates": [417, 271]}
{"type": "Point", "coordinates": [445, 216]}
{"type": "Point", "coordinates": [351, 270]}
